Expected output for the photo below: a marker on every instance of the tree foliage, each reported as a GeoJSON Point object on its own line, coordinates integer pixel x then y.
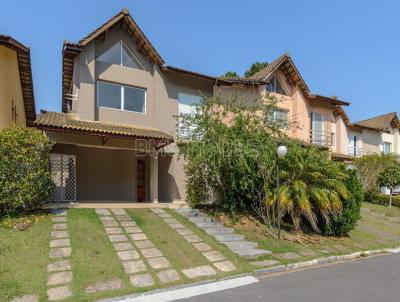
{"type": "Point", "coordinates": [25, 182]}
{"type": "Point", "coordinates": [254, 68]}
{"type": "Point", "coordinates": [369, 167]}
{"type": "Point", "coordinates": [231, 74]}
{"type": "Point", "coordinates": [312, 186]}
{"type": "Point", "coordinates": [390, 178]}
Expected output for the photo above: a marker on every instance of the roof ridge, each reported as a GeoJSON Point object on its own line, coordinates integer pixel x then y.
{"type": "Point", "coordinates": [376, 117]}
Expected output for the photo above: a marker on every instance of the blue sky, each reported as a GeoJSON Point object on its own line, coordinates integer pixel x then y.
{"type": "Point", "coordinates": [345, 48]}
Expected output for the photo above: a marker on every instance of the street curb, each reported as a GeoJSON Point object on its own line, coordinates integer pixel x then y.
{"type": "Point", "coordinates": [322, 261]}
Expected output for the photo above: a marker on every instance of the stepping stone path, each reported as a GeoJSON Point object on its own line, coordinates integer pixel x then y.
{"type": "Point", "coordinates": [234, 242]}
{"type": "Point", "coordinates": [215, 257]}
{"type": "Point", "coordinates": [59, 268]}
{"type": "Point", "coordinates": [125, 234]}
{"type": "Point", "coordinates": [26, 298]}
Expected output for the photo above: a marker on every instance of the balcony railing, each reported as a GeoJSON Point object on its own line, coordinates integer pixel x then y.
{"type": "Point", "coordinates": [355, 151]}
{"type": "Point", "coordinates": [322, 138]}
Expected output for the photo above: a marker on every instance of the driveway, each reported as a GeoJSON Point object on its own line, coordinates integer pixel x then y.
{"type": "Point", "coordinates": [367, 280]}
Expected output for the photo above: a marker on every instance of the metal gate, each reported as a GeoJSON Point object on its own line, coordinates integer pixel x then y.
{"type": "Point", "coordinates": [63, 173]}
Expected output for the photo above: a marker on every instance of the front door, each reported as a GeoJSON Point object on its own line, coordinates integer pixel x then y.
{"type": "Point", "coordinates": [141, 180]}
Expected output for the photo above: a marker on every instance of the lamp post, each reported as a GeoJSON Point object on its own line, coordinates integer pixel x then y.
{"type": "Point", "coordinates": [281, 152]}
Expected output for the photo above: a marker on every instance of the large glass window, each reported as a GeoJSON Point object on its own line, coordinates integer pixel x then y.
{"type": "Point", "coordinates": [387, 148]}
{"type": "Point", "coordinates": [119, 54]}
{"type": "Point", "coordinates": [121, 97]}
{"type": "Point", "coordinates": [274, 85]}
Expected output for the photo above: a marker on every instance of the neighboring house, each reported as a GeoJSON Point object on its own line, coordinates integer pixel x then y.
{"type": "Point", "coordinates": [17, 102]}
{"type": "Point", "coordinates": [116, 138]}
{"type": "Point", "coordinates": [379, 134]}
{"type": "Point", "coordinates": [310, 117]}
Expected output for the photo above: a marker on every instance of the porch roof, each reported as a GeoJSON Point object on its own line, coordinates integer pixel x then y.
{"type": "Point", "coordinates": [63, 122]}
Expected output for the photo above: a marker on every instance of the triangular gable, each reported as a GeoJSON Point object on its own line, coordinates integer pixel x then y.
{"type": "Point", "coordinates": [286, 65]}
{"type": "Point", "coordinates": [124, 18]}
{"type": "Point", "coordinates": [71, 50]}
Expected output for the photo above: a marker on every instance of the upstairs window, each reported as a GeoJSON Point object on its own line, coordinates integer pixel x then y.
{"type": "Point", "coordinates": [119, 54]}
{"type": "Point", "coordinates": [276, 86]}
{"type": "Point", "coordinates": [187, 105]}
{"type": "Point", "coordinates": [387, 148]}
{"type": "Point", "coordinates": [188, 102]}
{"type": "Point", "coordinates": [121, 97]}
{"type": "Point", "coordinates": [281, 118]}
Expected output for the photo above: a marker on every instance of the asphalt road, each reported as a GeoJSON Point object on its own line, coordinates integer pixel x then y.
{"type": "Point", "coordinates": [374, 279]}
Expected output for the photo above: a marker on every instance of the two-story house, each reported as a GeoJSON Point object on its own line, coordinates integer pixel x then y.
{"type": "Point", "coordinates": [119, 111]}
{"type": "Point", "coordinates": [17, 103]}
{"type": "Point", "coordinates": [309, 117]}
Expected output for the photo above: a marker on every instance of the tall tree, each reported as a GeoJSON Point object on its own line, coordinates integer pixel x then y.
{"type": "Point", "coordinates": [231, 74]}
{"type": "Point", "coordinates": [390, 178]}
{"type": "Point", "coordinates": [254, 68]}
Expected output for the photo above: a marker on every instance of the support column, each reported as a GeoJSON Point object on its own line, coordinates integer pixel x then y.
{"type": "Point", "coordinates": [154, 178]}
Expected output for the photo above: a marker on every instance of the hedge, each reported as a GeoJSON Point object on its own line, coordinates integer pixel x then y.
{"type": "Point", "coordinates": [384, 199]}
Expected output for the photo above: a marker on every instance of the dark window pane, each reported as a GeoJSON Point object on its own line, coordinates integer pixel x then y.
{"type": "Point", "coordinates": [134, 99]}
{"type": "Point", "coordinates": [109, 95]}
{"type": "Point", "coordinates": [127, 58]}
{"type": "Point", "coordinates": [111, 55]}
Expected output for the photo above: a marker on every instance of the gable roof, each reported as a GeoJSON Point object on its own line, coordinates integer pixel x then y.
{"type": "Point", "coordinates": [25, 75]}
{"type": "Point", "coordinates": [70, 50]}
{"type": "Point", "coordinates": [382, 122]}
{"type": "Point", "coordinates": [285, 64]}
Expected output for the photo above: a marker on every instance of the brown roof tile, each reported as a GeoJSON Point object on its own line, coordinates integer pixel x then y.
{"type": "Point", "coordinates": [382, 122]}
{"type": "Point", "coordinates": [25, 74]}
{"type": "Point", "coordinates": [55, 121]}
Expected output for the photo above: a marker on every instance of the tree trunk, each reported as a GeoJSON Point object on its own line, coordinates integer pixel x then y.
{"type": "Point", "coordinates": [390, 199]}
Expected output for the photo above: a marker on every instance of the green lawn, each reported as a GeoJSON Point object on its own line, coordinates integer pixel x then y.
{"type": "Point", "coordinates": [24, 254]}
{"type": "Point", "coordinates": [371, 233]}
{"type": "Point", "coordinates": [23, 259]}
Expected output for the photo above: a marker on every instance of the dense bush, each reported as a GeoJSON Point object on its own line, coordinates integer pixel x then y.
{"type": "Point", "coordinates": [342, 223]}
{"type": "Point", "coordinates": [25, 181]}
{"type": "Point", "coordinates": [229, 155]}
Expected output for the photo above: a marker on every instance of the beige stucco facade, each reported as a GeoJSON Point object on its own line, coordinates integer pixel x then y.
{"type": "Point", "coordinates": [10, 90]}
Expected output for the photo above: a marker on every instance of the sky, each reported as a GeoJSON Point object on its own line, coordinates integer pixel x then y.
{"type": "Point", "coordinates": [345, 48]}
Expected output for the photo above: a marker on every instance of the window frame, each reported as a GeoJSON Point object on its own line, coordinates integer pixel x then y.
{"type": "Point", "coordinates": [122, 101]}
{"type": "Point", "coordinates": [286, 123]}
{"type": "Point", "coordinates": [390, 148]}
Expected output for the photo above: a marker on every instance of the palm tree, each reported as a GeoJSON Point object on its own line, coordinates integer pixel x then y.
{"type": "Point", "coordinates": [312, 186]}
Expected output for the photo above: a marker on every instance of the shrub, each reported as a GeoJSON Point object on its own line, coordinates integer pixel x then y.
{"type": "Point", "coordinates": [312, 186]}
{"type": "Point", "coordinates": [342, 223]}
{"type": "Point", "coordinates": [25, 181]}
{"type": "Point", "coordinates": [368, 169]}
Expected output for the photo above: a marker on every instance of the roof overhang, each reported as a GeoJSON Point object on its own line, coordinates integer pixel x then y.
{"type": "Point", "coordinates": [67, 123]}
{"type": "Point", "coordinates": [25, 74]}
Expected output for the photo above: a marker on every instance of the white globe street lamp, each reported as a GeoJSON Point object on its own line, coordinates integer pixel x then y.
{"type": "Point", "coordinates": [281, 152]}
